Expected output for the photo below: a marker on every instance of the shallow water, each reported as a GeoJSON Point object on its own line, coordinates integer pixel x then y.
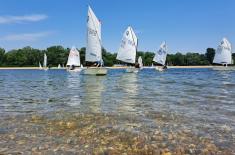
{"type": "Point", "coordinates": [180, 111]}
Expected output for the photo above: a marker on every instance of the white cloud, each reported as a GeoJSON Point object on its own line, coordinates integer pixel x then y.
{"type": "Point", "coordinates": [26, 36]}
{"type": "Point", "coordinates": [22, 19]}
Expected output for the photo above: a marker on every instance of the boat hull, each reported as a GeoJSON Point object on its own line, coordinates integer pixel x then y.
{"type": "Point", "coordinates": [98, 71]}
{"type": "Point", "coordinates": [132, 70]}
{"type": "Point", "coordinates": [75, 70]}
{"type": "Point", "coordinates": [222, 68]}
{"type": "Point", "coordinates": [44, 68]}
{"type": "Point", "coordinates": [160, 69]}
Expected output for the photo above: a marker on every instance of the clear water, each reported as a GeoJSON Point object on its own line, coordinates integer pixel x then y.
{"type": "Point", "coordinates": [196, 104]}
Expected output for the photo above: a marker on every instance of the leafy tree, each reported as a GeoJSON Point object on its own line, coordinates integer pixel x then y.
{"type": "Point", "coordinates": [57, 55]}
{"type": "Point", "coordinates": [2, 56]}
{"type": "Point", "coordinates": [82, 55]}
{"type": "Point", "coordinates": [210, 53]}
{"type": "Point", "coordinates": [29, 56]}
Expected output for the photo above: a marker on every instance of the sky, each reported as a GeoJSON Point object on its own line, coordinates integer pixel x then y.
{"type": "Point", "coordinates": [186, 25]}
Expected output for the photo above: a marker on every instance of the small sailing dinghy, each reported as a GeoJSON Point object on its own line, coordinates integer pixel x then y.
{"type": "Point", "coordinates": [223, 56]}
{"type": "Point", "coordinates": [127, 50]}
{"type": "Point", "coordinates": [140, 62]}
{"type": "Point", "coordinates": [94, 47]}
{"type": "Point", "coordinates": [59, 66]}
{"type": "Point", "coordinates": [160, 57]}
{"type": "Point", "coordinates": [74, 63]}
{"type": "Point", "coordinates": [45, 62]}
{"type": "Point", "coordinates": [40, 66]}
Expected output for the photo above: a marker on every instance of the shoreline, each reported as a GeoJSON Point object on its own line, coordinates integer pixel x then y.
{"type": "Point", "coordinates": [121, 67]}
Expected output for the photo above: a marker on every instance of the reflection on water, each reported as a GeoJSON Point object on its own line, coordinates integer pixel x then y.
{"type": "Point", "coordinates": [187, 111]}
{"type": "Point", "coordinates": [129, 88]}
{"type": "Point", "coordinates": [93, 87]}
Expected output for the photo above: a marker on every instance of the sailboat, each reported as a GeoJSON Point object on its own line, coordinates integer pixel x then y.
{"type": "Point", "coordinates": [45, 62]}
{"type": "Point", "coordinates": [59, 66]}
{"type": "Point", "coordinates": [94, 46]}
{"type": "Point", "coordinates": [140, 62]}
{"type": "Point", "coordinates": [74, 63]}
{"type": "Point", "coordinates": [128, 48]}
{"type": "Point", "coordinates": [40, 66]}
{"type": "Point", "coordinates": [223, 56]}
{"type": "Point", "coordinates": [160, 57]}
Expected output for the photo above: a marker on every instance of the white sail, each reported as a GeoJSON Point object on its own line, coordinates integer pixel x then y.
{"type": "Point", "coordinates": [40, 66]}
{"type": "Point", "coordinates": [45, 61]}
{"type": "Point", "coordinates": [94, 47]}
{"type": "Point", "coordinates": [160, 56]}
{"type": "Point", "coordinates": [59, 66]}
{"type": "Point", "coordinates": [140, 62]}
{"type": "Point", "coordinates": [128, 48]}
{"type": "Point", "coordinates": [223, 54]}
{"type": "Point", "coordinates": [74, 57]}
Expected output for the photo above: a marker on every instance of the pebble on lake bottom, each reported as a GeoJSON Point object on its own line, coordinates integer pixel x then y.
{"type": "Point", "coordinates": [93, 134]}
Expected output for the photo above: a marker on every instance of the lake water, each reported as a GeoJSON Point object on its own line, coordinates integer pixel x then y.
{"type": "Point", "coordinates": [180, 111]}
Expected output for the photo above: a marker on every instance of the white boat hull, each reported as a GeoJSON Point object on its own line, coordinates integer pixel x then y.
{"type": "Point", "coordinates": [223, 68]}
{"type": "Point", "coordinates": [160, 69]}
{"type": "Point", "coordinates": [98, 71]}
{"type": "Point", "coordinates": [75, 70]}
{"type": "Point", "coordinates": [44, 68]}
{"type": "Point", "coordinates": [132, 70]}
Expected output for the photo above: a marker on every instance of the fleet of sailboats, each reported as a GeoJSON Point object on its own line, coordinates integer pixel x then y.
{"type": "Point", "coordinates": [160, 57]}
{"type": "Point", "coordinates": [127, 52]}
{"type": "Point", "coordinates": [128, 48]}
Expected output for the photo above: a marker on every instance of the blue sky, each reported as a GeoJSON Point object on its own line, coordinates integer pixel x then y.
{"type": "Point", "coordinates": [186, 25]}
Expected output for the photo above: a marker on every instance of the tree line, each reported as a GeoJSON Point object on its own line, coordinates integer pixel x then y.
{"type": "Point", "coordinates": [30, 57]}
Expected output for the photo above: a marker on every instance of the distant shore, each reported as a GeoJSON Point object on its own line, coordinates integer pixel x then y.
{"type": "Point", "coordinates": [119, 67]}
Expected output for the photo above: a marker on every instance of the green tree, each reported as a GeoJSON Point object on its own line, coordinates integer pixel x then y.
{"type": "Point", "coordinates": [210, 53]}
{"type": "Point", "coordinates": [2, 56]}
{"type": "Point", "coordinates": [82, 55]}
{"type": "Point", "coordinates": [57, 55]}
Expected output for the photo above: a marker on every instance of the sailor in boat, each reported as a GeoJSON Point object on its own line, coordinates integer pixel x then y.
{"type": "Point", "coordinates": [165, 67]}
{"type": "Point", "coordinates": [137, 65]}
{"type": "Point", "coordinates": [160, 67]}
{"type": "Point", "coordinates": [95, 64]}
{"type": "Point", "coordinates": [72, 67]}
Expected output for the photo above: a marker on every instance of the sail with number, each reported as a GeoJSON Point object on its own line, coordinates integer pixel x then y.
{"type": "Point", "coordinates": [160, 56]}
{"type": "Point", "coordinates": [74, 57]}
{"type": "Point", "coordinates": [94, 47]}
{"type": "Point", "coordinates": [140, 62]}
{"type": "Point", "coordinates": [223, 54]}
{"type": "Point", "coordinates": [45, 61]}
{"type": "Point", "coordinates": [128, 47]}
